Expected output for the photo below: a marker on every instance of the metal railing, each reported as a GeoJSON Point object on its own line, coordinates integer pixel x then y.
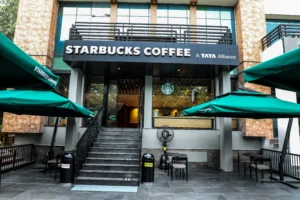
{"type": "Point", "coordinates": [281, 31]}
{"type": "Point", "coordinates": [85, 142]}
{"type": "Point", "coordinates": [151, 32]}
{"type": "Point", "coordinates": [16, 156]}
{"type": "Point", "coordinates": [291, 166]}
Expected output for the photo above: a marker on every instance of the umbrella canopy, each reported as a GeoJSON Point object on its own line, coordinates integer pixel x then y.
{"type": "Point", "coordinates": [19, 70]}
{"type": "Point", "coordinates": [280, 72]}
{"type": "Point", "coordinates": [43, 103]}
{"type": "Point", "coordinates": [245, 105]}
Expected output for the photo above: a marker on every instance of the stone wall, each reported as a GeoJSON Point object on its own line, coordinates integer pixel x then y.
{"type": "Point", "coordinates": [35, 34]}
{"type": "Point", "coordinates": [250, 28]}
{"type": "Point", "coordinates": [22, 123]}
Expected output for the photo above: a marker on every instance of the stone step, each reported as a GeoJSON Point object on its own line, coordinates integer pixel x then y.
{"type": "Point", "coordinates": [120, 130]}
{"type": "Point", "coordinates": [117, 161]}
{"type": "Point", "coordinates": [120, 133]}
{"type": "Point", "coordinates": [107, 181]}
{"type": "Point", "coordinates": [113, 167]}
{"type": "Point", "coordinates": [113, 155]}
{"type": "Point", "coordinates": [109, 149]}
{"type": "Point", "coordinates": [118, 137]}
{"type": "Point", "coordinates": [109, 173]}
{"type": "Point", "coordinates": [116, 145]}
{"type": "Point", "coordinates": [129, 140]}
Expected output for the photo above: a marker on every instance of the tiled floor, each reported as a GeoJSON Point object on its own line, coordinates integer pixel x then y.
{"type": "Point", "coordinates": [203, 184]}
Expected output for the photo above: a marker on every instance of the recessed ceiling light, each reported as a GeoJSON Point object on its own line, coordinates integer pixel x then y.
{"type": "Point", "coordinates": [178, 70]}
{"type": "Point", "coordinates": [119, 68]}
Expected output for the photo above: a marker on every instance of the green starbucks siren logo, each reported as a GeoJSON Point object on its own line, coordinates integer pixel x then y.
{"type": "Point", "coordinates": [167, 88]}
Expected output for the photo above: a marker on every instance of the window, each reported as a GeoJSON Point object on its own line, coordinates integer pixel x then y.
{"type": "Point", "coordinates": [216, 16]}
{"type": "Point", "coordinates": [133, 13]}
{"type": "Point", "coordinates": [273, 23]}
{"type": "Point", "coordinates": [69, 13]}
{"type": "Point", "coordinates": [173, 14]}
{"type": "Point", "coordinates": [172, 95]}
{"type": "Point", "coordinates": [93, 95]}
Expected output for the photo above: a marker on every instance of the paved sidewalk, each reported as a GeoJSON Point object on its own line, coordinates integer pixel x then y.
{"type": "Point", "coordinates": [203, 184]}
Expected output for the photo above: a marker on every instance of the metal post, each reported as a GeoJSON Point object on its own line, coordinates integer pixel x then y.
{"type": "Point", "coordinates": [284, 149]}
{"type": "Point", "coordinates": [14, 159]}
{"type": "Point", "coordinates": [54, 134]}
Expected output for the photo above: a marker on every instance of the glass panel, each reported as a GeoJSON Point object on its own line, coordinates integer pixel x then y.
{"type": "Point", "coordinates": [69, 10]}
{"type": "Point", "coordinates": [112, 107]}
{"type": "Point", "coordinates": [162, 10]}
{"type": "Point", "coordinates": [139, 20]}
{"type": "Point", "coordinates": [83, 18]}
{"type": "Point", "coordinates": [201, 22]}
{"type": "Point", "coordinates": [226, 13]}
{"type": "Point", "coordinates": [162, 20]}
{"type": "Point", "coordinates": [172, 95]}
{"type": "Point", "coordinates": [84, 10]}
{"type": "Point", "coordinates": [270, 26]}
{"type": "Point", "coordinates": [227, 23]}
{"type": "Point", "coordinates": [122, 19]}
{"type": "Point", "coordinates": [100, 19]}
{"type": "Point", "coordinates": [67, 22]}
{"type": "Point", "coordinates": [200, 12]}
{"type": "Point", "coordinates": [178, 21]}
{"type": "Point", "coordinates": [123, 9]}
{"type": "Point", "coordinates": [178, 11]}
{"type": "Point", "coordinates": [139, 10]}
{"type": "Point", "coordinates": [93, 95]}
{"type": "Point", "coordinates": [213, 22]}
{"type": "Point", "coordinates": [212, 12]}
{"type": "Point", "coordinates": [101, 11]}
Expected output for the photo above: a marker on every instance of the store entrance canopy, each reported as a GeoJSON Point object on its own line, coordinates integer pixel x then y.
{"type": "Point", "coordinates": [19, 70]}
{"type": "Point", "coordinates": [280, 72]}
{"type": "Point", "coordinates": [244, 104]}
{"type": "Point", "coordinates": [43, 103]}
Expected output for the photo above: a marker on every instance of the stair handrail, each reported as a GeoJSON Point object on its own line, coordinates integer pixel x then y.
{"type": "Point", "coordinates": [86, 140]}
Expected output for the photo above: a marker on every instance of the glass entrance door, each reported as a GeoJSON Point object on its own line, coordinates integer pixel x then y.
{"type": "Point", "coordinates": [125, 103]}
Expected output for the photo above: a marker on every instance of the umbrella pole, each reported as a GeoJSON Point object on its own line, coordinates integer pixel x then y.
{"type": "Point", "coordinates": [54, 134]}
{"type": "Point", "coordinates": [284, 149]}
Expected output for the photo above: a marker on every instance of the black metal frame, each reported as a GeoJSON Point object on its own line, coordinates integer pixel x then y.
{"type": "Point", "coordinates": [16, 156]}
{"type": "Point", "coordinates": [281, 31]}
{"type": "Point", "coordinates": [178, 33]}
{"type": "Point", "coordinates": [283, 167]}
{"type": "Point", "coordinates": [85, 142]}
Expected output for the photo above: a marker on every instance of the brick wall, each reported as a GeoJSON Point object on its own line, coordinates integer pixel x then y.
{"type": "Point", "coordinates": [250, 28]}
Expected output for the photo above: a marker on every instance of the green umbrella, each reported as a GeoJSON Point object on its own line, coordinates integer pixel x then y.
{"type": "Point", "coordinates": [42, 103]}
{"type": "Point", "coordinates": [280, 72]}
{"type": "Point", "coordinates": [243, 104]}
{"type": "Point", "coordinates": [19, 70]}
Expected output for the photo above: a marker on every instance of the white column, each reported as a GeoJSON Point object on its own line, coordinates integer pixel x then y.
{"type": "Point", "coordinates": [148, 102]}
{"type": "Point", "coordinates": [226, 154]}
{"type": "Point", "coordinates": [76, 92]}
{"type": "Point", "coordinates": [294, 142]}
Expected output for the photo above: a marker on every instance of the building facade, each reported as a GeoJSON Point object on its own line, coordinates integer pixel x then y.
{"type": "Point", "coordinates": [146, 61]}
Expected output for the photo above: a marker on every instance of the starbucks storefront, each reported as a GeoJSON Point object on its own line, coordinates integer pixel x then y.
{"type": "Point", "coordinates": [147, 84]}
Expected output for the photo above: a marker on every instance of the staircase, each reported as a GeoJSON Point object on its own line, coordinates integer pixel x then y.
{"type": "Point", "coordinates": [113, 159]}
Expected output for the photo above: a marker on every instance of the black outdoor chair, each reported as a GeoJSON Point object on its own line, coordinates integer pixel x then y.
{"type": "Point", "coordinates": [244, 159]}
{"type": "Point", "coordinates": [261, 163]}
{"type": "Point", "coordinates": [52, 163]}
{"type": "Point", "coordinates": [179, 163]}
